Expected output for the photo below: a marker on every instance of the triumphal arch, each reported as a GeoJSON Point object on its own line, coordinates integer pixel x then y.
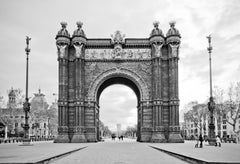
{"type": "Point", "coordinates": [149, 66]}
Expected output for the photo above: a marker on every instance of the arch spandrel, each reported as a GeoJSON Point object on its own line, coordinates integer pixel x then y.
{"type": "Point", "coordinates": [118, 72]}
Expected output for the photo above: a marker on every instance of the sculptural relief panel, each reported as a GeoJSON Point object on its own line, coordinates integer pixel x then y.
{"type": "Point", "coordinates": [118, 53]}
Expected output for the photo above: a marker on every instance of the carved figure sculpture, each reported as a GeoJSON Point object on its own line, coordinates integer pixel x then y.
{"type": "Point", "coordinates": [157, 47]}
{"type": "Point", "coordinates": [174, 46]}
{"type": "Point", "coordinates": [78, 47]}
{"type": "Point", "coordinates": [117, 53]}
{"type": "Point", "coordinates": [130, 54]}
{"type": "Point", "coordinates": [61, 49]}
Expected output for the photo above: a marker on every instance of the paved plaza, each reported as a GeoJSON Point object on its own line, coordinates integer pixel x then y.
{"type": "Point", "coordinates": [227, 153]}
{"type": "Point", "coordinates": [119, 152]}
{"type": "Point", "coordinates": [38, 153]}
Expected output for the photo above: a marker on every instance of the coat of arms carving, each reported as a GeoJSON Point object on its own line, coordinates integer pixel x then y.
{"type": "Point", "coordinates": [118, 37]}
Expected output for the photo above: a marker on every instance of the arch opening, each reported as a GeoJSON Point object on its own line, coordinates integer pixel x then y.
{"type": "Point", "coordinates": [119, 80]}
{"type": "Point", "coordinates": [130, 85]}
{"type": "Point", "coordinates": [118, 112]}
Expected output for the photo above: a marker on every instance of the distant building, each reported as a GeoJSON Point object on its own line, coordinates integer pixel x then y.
{"type": "Point", "coordinates": [39, 116]}
{"type": "Point", "coordinates": [192, 130]}
{"type": "Point", "coordinates": [119, 130]}
{"type": "Point", "coordinates": [13, 117]}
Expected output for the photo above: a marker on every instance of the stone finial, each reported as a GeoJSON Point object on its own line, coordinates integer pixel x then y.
{"type": "Point", "coordinates": [172, 24]}
{"type": "Point", "coordinates": [64, 25]}
{"type": "Point", "coordinates": [63, 31]}
{"type": "Point", "coordinates": [79, 24]}
{"type": "Point", "coordinates": [156, 30]}
{"type": "Point", "coordinates": [118, 37]}
{"type": "Point", "coordinates": [172, 30]}
{"type": "Point", "coordinates": [155, 24]}
{"type": "Point", "coordinates": [79, 31]}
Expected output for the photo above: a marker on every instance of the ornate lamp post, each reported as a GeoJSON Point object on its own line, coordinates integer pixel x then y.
{"type": "Point", "coordinates": [211, 103]}
{"type": "Point", "coordinates": [26, 104]}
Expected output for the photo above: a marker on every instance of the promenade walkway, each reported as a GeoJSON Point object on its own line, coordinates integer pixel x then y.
{"type": "Point", "coordinates": [40, 152]}
{"type": "Point", "coordinates": [119, 152]}
{"type": "Point", "coordinates": [228, 153]}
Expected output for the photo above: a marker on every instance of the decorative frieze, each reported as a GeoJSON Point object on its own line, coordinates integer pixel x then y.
{"type": "Point", "coordinates": [117, 53]}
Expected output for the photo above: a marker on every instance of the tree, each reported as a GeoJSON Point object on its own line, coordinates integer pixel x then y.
{"type": "Point", "coordinates": [189, 106]}
{"type": "Point", "coordinates": [229, 108]}
{"type": "Point", "coordinates": [218, 95]}
{"type": "Point", "coordinates": [38, 113]}
{"type": "Point", "coordinates": [52, 114]}
{"type": "Point", "coordinates": [20, 98]}
{"type": "Point", "coordinates": [39, 110]}
{"type": "Point", "coordinates": [232, 107]}
{"type": "Point", "coordinates": [131, 131]}
{"type": "Point", "coordinates": [104, 130]}
{"type": "Point", "coordinates": [200, 112]}
{"type": "Point", "coordinates": [188, 115]}
{"type": "Point", "coordinates": [198, 115]}
{"type": "Point", "coordinates": [1, 101]}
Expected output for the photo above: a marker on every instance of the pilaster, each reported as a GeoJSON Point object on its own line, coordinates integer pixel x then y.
{"type": "Point", "coordinates": [63, 42]}
{"type": "Point", "coordinates": [157, 42]}
{"type": "Point", "coordinates": [146, 118]}
{"type": "Point", "coordinates": [78, 61]}
{"type": "Point", "coordinates": [173, 42]}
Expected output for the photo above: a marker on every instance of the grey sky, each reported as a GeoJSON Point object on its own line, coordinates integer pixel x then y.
{"type": "Point", "coordinates": [195, 20]}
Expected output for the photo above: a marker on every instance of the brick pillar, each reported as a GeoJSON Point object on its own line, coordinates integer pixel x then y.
{"type": "Point", "coordinates": [78, 42]}
{"type": "Point", "coordinates": [91, 116]}
{"type": "Point", "coordinates": [157, 43]}
{"type": "Point", "coordinates": [63, 42]}
{"type": "Point", "coordinates": [173, 43]}
{"type": "Point", "coordinates": [146, 117]}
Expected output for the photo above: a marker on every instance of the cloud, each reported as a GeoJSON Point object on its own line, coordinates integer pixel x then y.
{"type": "Point", "coordinates": [195, 20]}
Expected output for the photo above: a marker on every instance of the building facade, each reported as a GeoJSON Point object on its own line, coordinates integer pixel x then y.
{"type": "Point", "coordinates": [191, 130]}
{"type": "Point", "coordinates": [13, 119]}
{"type": "Point", "coordinates": [149, 66]}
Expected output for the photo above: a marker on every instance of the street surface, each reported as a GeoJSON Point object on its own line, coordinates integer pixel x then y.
{"type": "Point", "coordinates": [15, 153]}
{"type": "Point", "coordinates": [119, 152]}
{"type": "Point", "coordinates": [127, 151]}
{"type": "Point", "coordinates": [227, 153]}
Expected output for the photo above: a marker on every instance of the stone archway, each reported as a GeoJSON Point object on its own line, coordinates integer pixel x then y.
{"type": "Point", "coordinates": [147, 65]}
{"type": "Point", "coordinates": [119, 73]}
{"type": "Point", "coordinates": [119, 76]}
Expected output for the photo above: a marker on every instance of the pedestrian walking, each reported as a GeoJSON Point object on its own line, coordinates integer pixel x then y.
{"type": "Point", "coordinates": [196, 138]}
{"type": "Point", "coordinates": [201, 140]}
{"type": "Point", "coordinates": [218, 141]}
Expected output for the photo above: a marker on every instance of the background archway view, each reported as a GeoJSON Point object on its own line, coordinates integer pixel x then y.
{"type": "Point", "coordinates": [118, 105]}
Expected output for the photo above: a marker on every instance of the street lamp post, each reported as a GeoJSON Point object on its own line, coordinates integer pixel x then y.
{"type": "Point", "coordinates": [211, 103]}
{"type": "Point", "coordinates": [26, 104]}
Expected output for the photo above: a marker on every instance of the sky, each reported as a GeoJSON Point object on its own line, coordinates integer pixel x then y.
{"type": "Point", "coordinates": [195, 19]}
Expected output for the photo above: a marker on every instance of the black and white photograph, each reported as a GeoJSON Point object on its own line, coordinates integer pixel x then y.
{"type": "Point", "coordinates": [119, 81]}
